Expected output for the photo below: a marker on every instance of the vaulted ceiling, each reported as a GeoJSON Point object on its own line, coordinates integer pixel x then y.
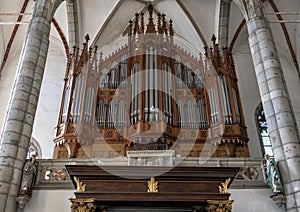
{"type": "Point", "coordinates": [105, 20]}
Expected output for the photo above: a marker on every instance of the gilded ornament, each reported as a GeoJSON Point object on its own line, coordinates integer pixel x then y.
{"type": "Point", "coordinates": [152, 185]}
{"type": "Point", "coordinates": [223, 188]}
{"type": "Point", "coordinates": [80, 187]}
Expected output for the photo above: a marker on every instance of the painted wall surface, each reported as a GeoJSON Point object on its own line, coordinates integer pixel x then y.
{"type": "Point", "coordinates": [50, 98]}
{"type": "Point", "coordinates": [253, 200]}
{"type": "Point", "coordinates": [49, 200]}
{"type": "Point", "coordinates": [245, 200]}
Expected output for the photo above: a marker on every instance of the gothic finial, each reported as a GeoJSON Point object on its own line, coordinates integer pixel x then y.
{"type": "Point", "coordinates": [136, 24]}
{"type": "Point", "coordinates": [74, 50]}
{"type": "Point", "coordinates": [101, 56]}
{"type": "Point", "coordinates": [87, 38]}
{"type": "Point", "coordinates": [150, 9]}
{"type": "Point", "coordinates": [96, 48]}
{"type": "Point", "coordinates": [142, 23]}
{"type": "Point", "coordinates": [151, 27]}
{"type": "Point", "coordinates": [213, 39]}
{"type": "Point", "coordinates": [159, 23]}
{"type": "Point", "coordinates": [130, 28]}
{"type": "Point", "coordinates": [164, 27]}
{"type": "Point", "coordinates": [171, 27]}
{"type": "Point", "coordinates": [90, 52]}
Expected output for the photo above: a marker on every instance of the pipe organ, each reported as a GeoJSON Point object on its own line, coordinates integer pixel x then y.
{"type": "Point", "coordinates": [151, 94]}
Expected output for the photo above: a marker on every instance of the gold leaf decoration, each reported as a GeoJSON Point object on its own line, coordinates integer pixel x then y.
{"type": "Point", "coordinates": [152, 185]}
{"type": "Point", "coordinates": [80, 187]}
{"type": "Point", "coordinates": [223, 188]}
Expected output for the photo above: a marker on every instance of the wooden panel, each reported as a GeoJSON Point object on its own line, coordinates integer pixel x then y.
{"type": "Point", "coordinates": [126, 185]}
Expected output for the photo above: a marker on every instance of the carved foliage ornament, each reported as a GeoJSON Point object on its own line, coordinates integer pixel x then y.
{"type": "Point", "coordinates": [152, 185]}
{"type": "Point", "coordinates": [80, 187]}
{"type": "Point", "coordinates": [223, 188]}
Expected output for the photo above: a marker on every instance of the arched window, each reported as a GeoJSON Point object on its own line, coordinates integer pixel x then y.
{"type": "Point", "coordinates": [111, 114]}
{"type": "Point", "coordinates": [100, 113]}
{"type": "Point", "coordinates": [34, 149]}
{"type": "Point", "coordinates": [263, 131]}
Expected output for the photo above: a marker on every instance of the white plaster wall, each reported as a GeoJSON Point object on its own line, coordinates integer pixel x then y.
{"type": "Point", "coordinates": [6, 84]}
{"type": "Point", "coordinates": [49, 201]}
{"type": "Point", "coordinates": [249, 94]}
{"type": "Point", "coordinates": [245, 200]}
{"type": "Point", "coordinates": [50, 98]}
{"type": "Point", "coordinates": [253, 200]}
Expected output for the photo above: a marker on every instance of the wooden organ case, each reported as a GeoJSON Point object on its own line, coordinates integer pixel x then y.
{"type": "Point", "coordinates": [150, 94]}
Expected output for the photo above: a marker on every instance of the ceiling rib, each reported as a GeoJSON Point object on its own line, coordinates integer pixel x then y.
{"type": "Point", "coordinates": [286, 34]}
{"type": "Point", "coordinates": [113, 12]}
{"type": "Point", "coordinates": [13, 35]}
{"type": "Point", "coordinates": [192, 20]}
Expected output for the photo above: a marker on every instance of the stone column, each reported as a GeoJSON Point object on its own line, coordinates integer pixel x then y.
{"type": "Point", "coordinates": [22, 107]}
{"type": "Point", "coordinates": [72, 22]}
{"type": "Point", "coordinates": [282, 126]}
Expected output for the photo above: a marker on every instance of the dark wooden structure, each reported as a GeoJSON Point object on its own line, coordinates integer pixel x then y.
{"type": "Point", "coordinates": [193, 187]}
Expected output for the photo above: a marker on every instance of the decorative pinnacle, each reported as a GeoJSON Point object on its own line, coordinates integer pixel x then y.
{"type": "Point", "coordinates": [150, 9]}
{"type": "Point", "coordinates": [87, 38]}
{"type": "Point", "coordinates": [213, 39]}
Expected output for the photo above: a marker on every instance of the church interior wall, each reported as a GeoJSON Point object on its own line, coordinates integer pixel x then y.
{"type": "Point", "coordinates": [246, 200]}
{"type": "Point", "coordinates": [50, 97]}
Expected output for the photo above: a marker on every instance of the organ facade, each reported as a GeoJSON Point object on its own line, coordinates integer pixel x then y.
{"type": "Point", "coordinates": [150, 94]}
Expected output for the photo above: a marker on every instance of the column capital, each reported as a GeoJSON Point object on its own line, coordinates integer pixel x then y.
{"type": "Point", "coordinates": [219, 205]}
{"type": "Point", "coordinates": [250, 8]}
{"type": "Point", "coordinates": [83, 205]}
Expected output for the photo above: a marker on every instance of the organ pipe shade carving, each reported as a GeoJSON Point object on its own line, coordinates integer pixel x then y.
{"type": "Point", "coordinates": [150, 94]}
